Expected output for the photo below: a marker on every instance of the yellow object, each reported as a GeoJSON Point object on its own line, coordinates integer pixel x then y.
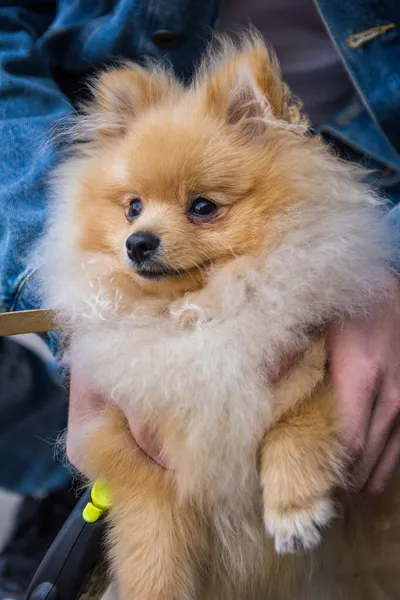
{"type": "Point", "coordinates": [91, 513]}
{"type": "Point", "coordinates": [101, 502]}
{"type": "Point", "coordinates": [101, 495]}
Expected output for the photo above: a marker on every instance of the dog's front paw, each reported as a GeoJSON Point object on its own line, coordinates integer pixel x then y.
{"type": "Point", "coordinates": [299, 529]}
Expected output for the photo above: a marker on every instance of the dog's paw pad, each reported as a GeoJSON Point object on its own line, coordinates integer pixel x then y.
{"type": "Point", "coordinates": [298, 530]}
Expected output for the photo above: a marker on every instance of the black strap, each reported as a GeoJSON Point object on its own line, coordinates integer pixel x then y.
{"type": "Point", "coordinates": [71, 559]}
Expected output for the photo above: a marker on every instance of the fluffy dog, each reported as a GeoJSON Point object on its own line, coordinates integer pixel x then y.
{"type": "Point", "coordinates": [199, 234]}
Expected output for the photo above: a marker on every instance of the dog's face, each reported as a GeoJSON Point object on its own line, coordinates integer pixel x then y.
{"type": "Point", "coordinates": [182, 180]}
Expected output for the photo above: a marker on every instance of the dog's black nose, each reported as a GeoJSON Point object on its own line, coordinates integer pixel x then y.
{"type": "Point", "coordinates": [142, 246]}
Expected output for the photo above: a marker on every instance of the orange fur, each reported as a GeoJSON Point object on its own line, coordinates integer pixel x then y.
{"type": "Point", "coordinates": [234, 136]}
{"type": "Point", "coordinates": [177, 151]}
{"type": "Point", "coordinates": [158, 544]}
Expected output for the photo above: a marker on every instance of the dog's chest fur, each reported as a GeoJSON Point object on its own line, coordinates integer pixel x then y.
{"type": "Point", "coordinates": [198, 373]}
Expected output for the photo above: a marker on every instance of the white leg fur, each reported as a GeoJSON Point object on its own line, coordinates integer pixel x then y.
{"type": "Point", "coordinates": [300, 529]}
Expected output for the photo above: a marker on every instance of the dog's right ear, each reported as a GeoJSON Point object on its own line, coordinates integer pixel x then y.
{"type": "Point", "coordinates": [120, 95]}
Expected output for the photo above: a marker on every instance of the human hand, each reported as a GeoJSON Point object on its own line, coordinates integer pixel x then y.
{"type": "Point", "coordinates": [84, 406]}
{"type": "Point", "coordinates": [364, 356]}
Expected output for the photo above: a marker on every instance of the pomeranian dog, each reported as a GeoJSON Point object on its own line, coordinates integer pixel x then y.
{"type": "Point", "coordinates": [199, 234]}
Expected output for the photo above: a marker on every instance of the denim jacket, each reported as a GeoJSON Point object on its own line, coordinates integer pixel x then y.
{"type": "Point", "coordinates": [48, 47]}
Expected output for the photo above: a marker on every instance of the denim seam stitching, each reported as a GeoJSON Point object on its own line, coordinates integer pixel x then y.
{"type": "Point", "coordinates": [21, 288]}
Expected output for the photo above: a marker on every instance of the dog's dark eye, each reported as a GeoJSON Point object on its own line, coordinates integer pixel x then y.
{"type": "Point", "coordinates": [135, 208]}
{"type": "Point", "coordinates": [201, 207]}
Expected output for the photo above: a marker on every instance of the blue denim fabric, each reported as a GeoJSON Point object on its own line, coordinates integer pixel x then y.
{"type": "Point", "coordinates": [373, 66]}
{"type": "Point", "coordinates": [47, 47]}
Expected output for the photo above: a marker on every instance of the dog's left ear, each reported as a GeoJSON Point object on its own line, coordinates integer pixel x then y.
{"type": "Point", "coordinates": [244, 87]}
